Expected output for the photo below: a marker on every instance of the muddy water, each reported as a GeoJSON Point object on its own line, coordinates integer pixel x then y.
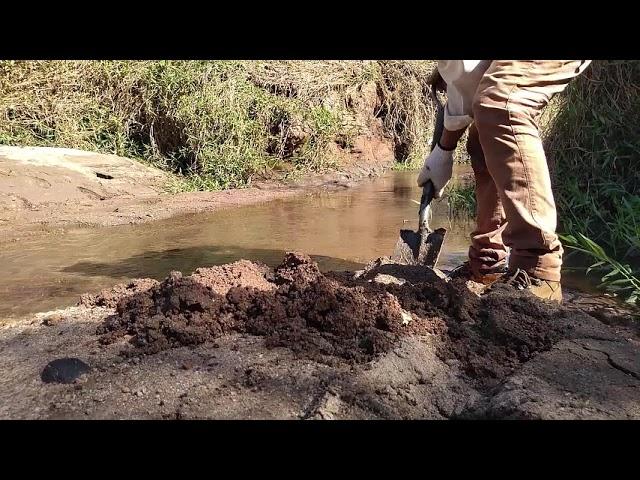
{"type": "Point", "coordinates": [341, 229]}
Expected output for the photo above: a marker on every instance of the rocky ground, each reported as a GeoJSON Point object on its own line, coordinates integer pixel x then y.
{"type": "Point", "coordinates": [247, 341]}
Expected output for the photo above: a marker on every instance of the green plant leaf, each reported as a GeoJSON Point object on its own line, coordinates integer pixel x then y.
{"type": "Point", "coordinates": [595, 265]}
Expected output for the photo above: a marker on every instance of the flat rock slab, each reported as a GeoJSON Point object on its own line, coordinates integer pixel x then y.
{"type": "Point", "coordinates": [31, 176]}
{"type": "Point", "coordinates": [579, 379]}
{"type": "Point", "coordinates": [237, 377]}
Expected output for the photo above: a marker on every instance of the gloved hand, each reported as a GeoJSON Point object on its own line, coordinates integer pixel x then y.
{"type": "Point", "coordinates": [438, 167]}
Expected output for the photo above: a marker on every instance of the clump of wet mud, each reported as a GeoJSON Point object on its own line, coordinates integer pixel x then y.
{"type": "Point", "coordinates": [493, 334]}
{"type": "Point", "coordinates": [341, 316]}
{"type": "Point", "coordinates": [242, 273]}
{"type": "Point", "coordinates": [489, 335]}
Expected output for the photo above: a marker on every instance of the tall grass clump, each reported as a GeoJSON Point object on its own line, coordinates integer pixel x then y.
{"type": "Point", "coordinates": [593, 142]}
{"type": "Point", "coordinates": [407, 109]}
{"type": "Point", "coordinates": [461, 199]}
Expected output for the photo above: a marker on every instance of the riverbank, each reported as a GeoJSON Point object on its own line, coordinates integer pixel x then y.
{"type": "Point", "coordinates": [47, 190]}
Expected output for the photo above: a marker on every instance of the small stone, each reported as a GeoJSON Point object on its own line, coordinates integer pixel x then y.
{"type": "Point", "coordinates": [64, 370]}
{"type": "Point", "coordinates": [517, 382]}
{"type": "Point", "coordinates": [52, 320]}
{"type": "Point", "coordinates": [385, 279]}
{"type": "Point", "coordinates": [175, 275]}
{"type": "Point", "coordinates": [126, 390]}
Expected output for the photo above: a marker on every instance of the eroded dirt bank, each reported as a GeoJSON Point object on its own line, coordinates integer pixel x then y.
{"type": "Point", "coordinates": [247, 341]}
{"type": "Point", "coordinates": [48, 189]}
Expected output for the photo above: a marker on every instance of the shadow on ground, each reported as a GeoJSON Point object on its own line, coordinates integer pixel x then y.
{"type": "Point", "coordinates": [157, 264]}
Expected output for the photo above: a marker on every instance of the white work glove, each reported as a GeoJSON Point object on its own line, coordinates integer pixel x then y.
{"type": "Point", "coordinates": [438, 167]}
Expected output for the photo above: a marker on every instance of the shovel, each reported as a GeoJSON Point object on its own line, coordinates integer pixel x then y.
{"type": "Point", "coordinates": [423, 246]}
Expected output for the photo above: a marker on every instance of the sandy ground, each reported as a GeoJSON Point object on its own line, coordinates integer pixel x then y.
{"type": "Point", "coordinates": [48, 189]}
{"type": "Point", "coordinates": [449, 354]}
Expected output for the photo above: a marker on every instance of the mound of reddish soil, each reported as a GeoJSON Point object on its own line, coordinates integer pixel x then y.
{"type": "Point", "coordinates": [339, 317]}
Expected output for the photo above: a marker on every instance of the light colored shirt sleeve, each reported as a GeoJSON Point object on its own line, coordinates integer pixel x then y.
{"type": "Point", "coordinates": [462, 78]}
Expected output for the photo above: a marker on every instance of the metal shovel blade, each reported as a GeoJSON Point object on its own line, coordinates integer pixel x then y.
{"type": "Point", "coordinates": [419, 248]}
{"type": "Point", "coordinates": [423, 246]}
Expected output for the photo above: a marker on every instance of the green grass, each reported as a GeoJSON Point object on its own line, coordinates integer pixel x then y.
{"type": "Point", "coordinates": [594, 146]}
{"type": "Point", "coordinates": [461, 199]}
{"type": "Point", "coordinates": [214, 123]}
{"type": "Point", "coordinates": [593, 143]}
{"type": "Point", "coordinates": [618, 278]}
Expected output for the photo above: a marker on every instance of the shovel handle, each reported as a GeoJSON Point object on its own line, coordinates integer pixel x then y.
{"type": "Point", "coordinates": [428, 192]}
{"type": "Point", "coordinates": [439, 121]}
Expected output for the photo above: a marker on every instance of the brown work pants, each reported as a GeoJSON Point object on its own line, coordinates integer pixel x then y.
{"type": "Point", "coordinates": [515, 204]}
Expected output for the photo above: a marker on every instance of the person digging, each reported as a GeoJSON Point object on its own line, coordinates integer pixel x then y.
{"type": "Point", "coordinates": [499, 102]}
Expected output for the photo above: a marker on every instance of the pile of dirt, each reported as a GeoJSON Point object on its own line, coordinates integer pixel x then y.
{"type": "Point", "coordinates": [293, 305]}
{"type": "Point", "coordinates": [340, 317]}
{"type": "Point", "coordinates": [489, 335]}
